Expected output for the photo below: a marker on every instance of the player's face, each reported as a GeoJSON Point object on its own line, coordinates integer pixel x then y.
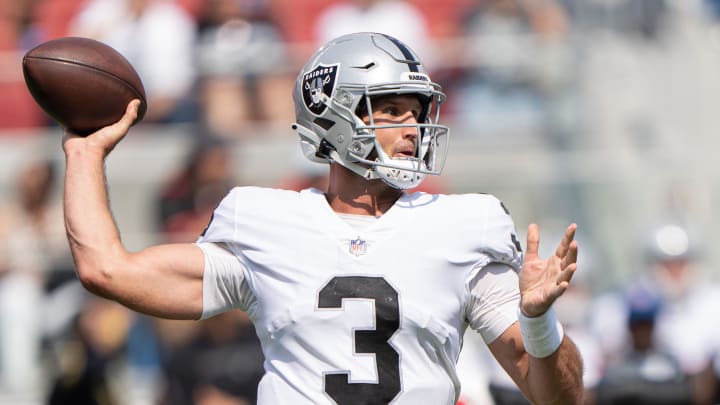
{"type": "Point", "coordinates": [397, 109]}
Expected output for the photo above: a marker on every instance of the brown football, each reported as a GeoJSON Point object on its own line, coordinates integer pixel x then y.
{"type": "Point", "coordinates": [83, 84]}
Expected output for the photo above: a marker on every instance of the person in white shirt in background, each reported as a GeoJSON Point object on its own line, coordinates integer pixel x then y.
{"type": "Point", "coordinates": [158, 38]}
{"type": "Point", "coordinates": [398, 18]}
{"type": "Point", "coordinates": [686, 325]}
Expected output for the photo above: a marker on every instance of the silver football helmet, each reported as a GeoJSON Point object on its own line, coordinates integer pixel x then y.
{"type": "Point", "coordinates": [336, 87]}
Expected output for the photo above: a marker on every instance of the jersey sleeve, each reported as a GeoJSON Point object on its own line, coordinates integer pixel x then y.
{"type": "Point", "coordinates": [495, 298]}
{"type": "Point", "coordinates": [500, 242]}
{"type": "Point", "coordinates": [221, 227]}
{"type": "Point", "coordinates": [224, 283]}
{"type": "Point", "coordinates": [493, 283]}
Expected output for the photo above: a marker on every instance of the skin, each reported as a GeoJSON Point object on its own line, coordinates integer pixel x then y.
{"type": "Point", "coordinates": [349, 193]}
{"type": "Point", "coordinates": [139, 280]}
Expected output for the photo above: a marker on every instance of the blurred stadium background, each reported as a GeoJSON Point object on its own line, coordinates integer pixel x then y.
{"type": "Point", "coordinates": [600, 112]}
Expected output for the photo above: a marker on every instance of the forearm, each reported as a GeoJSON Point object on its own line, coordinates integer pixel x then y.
{"type": "Point", "coordinates": [556, 379]}
{"type": "Point", "coordinates": [138, 280]}
{"type": "Point", "coordinates": [92, 234]}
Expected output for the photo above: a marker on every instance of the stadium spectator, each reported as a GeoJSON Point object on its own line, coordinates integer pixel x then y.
{"type": "Point", "coordinates": [686, 324]}
{"type": "Point", "coordinates": [158, 38]}
{"type": "Point", "coordinates": [85, 360]}
{"type": "Point", "coordinates": [516, 67]}
{"type": "Point", "coordinates": [19, 32]}
{"type": "Point", "coordinates": [348, 16]}
{"type": "Point", "coordinates": [187, 200]}
{"type": "Point", "coordinates": [222, 361]}
{"type": "Point", "coordinates": [243, 67]}
{"type": "Point", "coordinates": [645, 374]}
{"type": "Point", "coordinates": [53, 17]}
{"type": "Point", "coordinates": [633, 19]}
{"type": "Point", "coordinates": [29, 224]}
{"type": "Point", "coordinates": [31, 251]}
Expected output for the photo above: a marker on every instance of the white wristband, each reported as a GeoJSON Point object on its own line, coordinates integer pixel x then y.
{"type": "Point", "coordinates": [542, 334]}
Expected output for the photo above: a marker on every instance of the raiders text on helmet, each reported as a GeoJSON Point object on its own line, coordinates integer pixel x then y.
{"type": "Point", "coordinates": [338, 83]}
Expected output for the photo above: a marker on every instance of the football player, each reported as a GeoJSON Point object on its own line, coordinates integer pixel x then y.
{"type": "Point", "coordinates": [360, 294]}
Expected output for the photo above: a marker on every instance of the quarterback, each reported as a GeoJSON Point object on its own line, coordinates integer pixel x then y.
{"type": "Point", "coordinates": [361, 293]}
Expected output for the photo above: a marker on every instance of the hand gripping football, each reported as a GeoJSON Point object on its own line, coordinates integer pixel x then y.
{"type": "Point", "coordinates": [81, 83]}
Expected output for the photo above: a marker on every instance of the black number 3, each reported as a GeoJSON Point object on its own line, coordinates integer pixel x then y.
{"type": "Point", "coordinates": [387, 321]}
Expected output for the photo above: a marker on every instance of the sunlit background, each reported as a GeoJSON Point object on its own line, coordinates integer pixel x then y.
{"type": "Point", "coordinates": [599, 112]}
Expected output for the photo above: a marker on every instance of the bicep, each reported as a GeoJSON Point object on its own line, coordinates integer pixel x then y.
{"type": "Point", "coordinates": [164, 281]}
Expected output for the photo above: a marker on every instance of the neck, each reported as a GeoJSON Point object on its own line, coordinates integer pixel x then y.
{"type": "Point", "coordinates": [349, 193]}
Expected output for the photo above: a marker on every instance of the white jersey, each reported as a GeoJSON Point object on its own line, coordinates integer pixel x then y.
{"type": "Point", "coordinates": [373, 316]}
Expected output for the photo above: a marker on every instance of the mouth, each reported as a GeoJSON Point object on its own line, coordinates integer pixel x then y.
{"type": "Point", "coordinates": [405, 152]}
{"type": "Point", "coordinates": [404, 155]}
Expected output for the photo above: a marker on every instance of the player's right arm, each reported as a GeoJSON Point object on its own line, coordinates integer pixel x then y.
{"type": "Point", "coordinates": [163, 280]}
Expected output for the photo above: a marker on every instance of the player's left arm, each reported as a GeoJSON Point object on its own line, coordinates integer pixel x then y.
{"type": "Point", "coordinates": [553, 373]}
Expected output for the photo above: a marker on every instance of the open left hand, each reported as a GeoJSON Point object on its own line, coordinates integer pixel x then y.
{"type": "Point", "coordinates": [542, 281]}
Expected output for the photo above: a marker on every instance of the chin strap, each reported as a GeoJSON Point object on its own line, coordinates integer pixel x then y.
{"type": "Point", "coordinates": [400, 178]}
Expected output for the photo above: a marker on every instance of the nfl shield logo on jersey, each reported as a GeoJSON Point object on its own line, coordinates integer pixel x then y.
{"type": "Point", "coordinates": [317, 81]}
{"type": "Point", "coordinates": [358, 247]}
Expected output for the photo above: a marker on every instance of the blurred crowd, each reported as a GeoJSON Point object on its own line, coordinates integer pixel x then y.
{"type": "Point", "coordinates": [227, 66]}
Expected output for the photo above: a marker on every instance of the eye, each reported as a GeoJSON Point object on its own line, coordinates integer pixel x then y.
{"type": "Point", "coordinates": [391, 110]}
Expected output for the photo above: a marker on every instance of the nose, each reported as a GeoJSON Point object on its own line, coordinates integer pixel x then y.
{"type": "Point", "coordinates": [410, 132]}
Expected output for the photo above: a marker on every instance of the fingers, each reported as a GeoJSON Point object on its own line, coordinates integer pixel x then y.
{"type": "Point", "coordinates": [567, 274]}
{"type": "Point", "coordinates": [561, 285]}
{"type": "Point", "coordinates": [567, 250]}
{"type": "Point", "coordinates": [548, 279]}
{"type": "Point", "coordinates": [115, 132]}
{"type": "Point", "coordinates": [564, 246]}
{"type": "Point", "coordinates": [131, 112]}
{"type": "Point", "coordinates": [533, 242]}
{"type": "Point", "coordinates": [564, 278]}
{"type": "Point", "coordinates": [558, 290]}
{"type": "Point", "coordinates": [107, 137]}
{"type": "Point", "coordinates": [572, 255]}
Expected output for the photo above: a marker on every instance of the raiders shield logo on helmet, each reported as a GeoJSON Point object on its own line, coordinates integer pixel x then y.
{"type": "Point", "coordinates": [317, 81]}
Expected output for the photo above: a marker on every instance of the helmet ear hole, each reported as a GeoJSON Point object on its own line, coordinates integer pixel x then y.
{"type": "Point", "coordinates": [324, 123]}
